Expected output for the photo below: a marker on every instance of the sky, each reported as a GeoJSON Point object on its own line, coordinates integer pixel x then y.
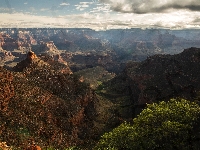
{"type": "Point", "coordinates": [100, 14]}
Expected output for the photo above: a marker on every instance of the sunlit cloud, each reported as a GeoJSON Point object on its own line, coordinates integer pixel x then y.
{"type": "Point", "coordinates": [86, 3]}
{"type": "Point", "coordinates": [83, 5]}
{"type": "Point", "coordinates": [101, 8]}
{"type": "Point", "coordinates": [64, 4]}
{"type": "Point", "coordinates": [174, 20]}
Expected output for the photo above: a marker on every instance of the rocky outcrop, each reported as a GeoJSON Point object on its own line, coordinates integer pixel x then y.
{"type": "Point", "coordinates": [6, 56]}
{"type": "Point", "coordinates": [31, 59]}
{"type": "Point", "coordinates": [8, 43]}
{"type": "Point", "coordinates": [53, 62]}
{"type": "Point", "coordinates": [49, 46]}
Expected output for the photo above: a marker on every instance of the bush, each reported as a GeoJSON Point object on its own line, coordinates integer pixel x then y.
{"type": "Point", "coordinates": [164, 125]}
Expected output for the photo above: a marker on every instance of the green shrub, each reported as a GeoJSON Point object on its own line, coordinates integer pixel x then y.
{"type": "Point", "coordinates": [164, 125]}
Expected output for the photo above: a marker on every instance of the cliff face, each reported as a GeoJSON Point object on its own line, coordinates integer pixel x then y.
{"type": "Point", "coordinates": [158, 78]}
{"type": "Point", "coordinates": [165, 76]}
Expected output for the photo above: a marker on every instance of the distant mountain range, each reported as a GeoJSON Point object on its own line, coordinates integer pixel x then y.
{"type": "Point", "coordinates": [83, 48]}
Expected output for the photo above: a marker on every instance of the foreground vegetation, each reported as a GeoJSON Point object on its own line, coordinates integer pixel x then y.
{"type": "Point", "coordinates": [164, 125]}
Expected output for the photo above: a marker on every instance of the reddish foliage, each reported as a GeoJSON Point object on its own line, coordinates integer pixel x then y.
{"type": "Point", "coordinates": [33, 147]}
{"type": "Point", "coordinates": [61, 118]}
{"type": "Point", "coordinates": [6, 90]}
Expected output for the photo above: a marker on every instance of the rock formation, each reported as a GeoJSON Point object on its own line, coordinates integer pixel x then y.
{"type": "Point", "coordinates": [31, 59]}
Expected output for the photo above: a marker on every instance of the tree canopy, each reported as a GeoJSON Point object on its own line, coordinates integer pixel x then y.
{"type": "Point", "coordinates": [165, 125]}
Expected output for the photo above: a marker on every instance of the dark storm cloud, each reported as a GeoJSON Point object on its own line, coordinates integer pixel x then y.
{"type": "Point", "coordinates": [149, 6]}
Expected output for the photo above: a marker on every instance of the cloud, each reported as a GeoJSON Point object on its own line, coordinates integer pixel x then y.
{"type": "Point", "coordinates": [21, 20]}
{"type": "Point", "coordinates": [44, 9]}
{"type": "Point", "coordinates": [82, 6]}
{"type": "Point", "coordinates": [86, 3]}
{"type": "Point", "coordinates": [101, 8]}
{"type": "Point", "coordinates": [64, 4]}
{"type": "Point", "coordinates": [151, 6]}
{"type": "Point", "coordinates": [179, 19]}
